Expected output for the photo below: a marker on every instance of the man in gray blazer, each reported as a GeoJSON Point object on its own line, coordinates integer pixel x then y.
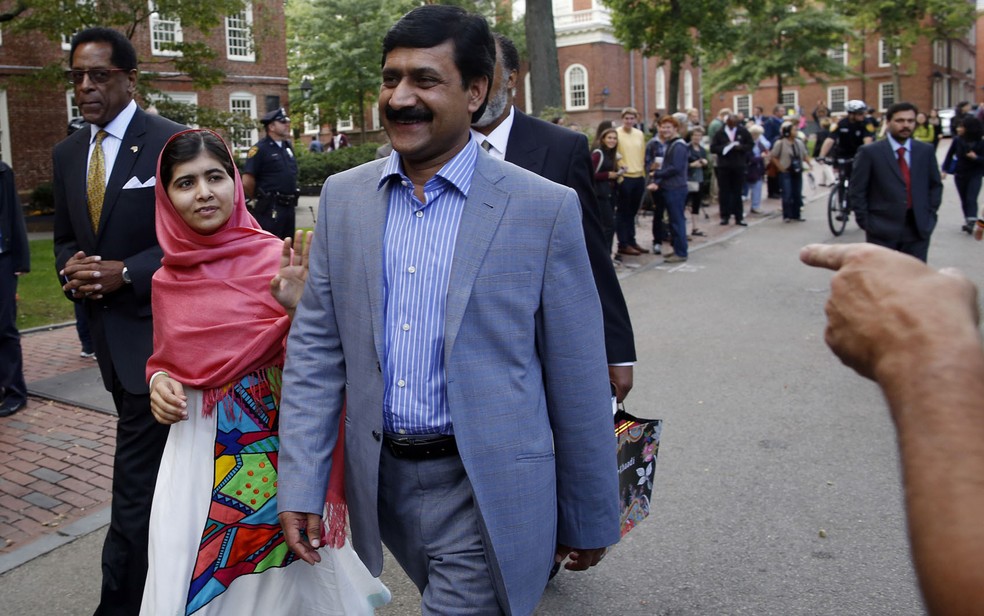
{"type": "Point", "coordinates": [106, 252]}
{"type": "Point", "coordinates": [450, 306]}
{"type": "Point", "coordinates": [896, 188]}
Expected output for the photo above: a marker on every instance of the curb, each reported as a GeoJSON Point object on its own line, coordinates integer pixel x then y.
{"type": "Point", "coordinates": [48, 543]}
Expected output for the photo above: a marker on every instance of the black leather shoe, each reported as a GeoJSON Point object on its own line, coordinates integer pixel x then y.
{"type": "Point", "coordinates": [742, 223]}
{"type": "Point", "coordinates": [8, 407]}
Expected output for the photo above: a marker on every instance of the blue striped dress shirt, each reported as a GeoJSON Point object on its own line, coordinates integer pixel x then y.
{"type": "Point", "coordinates": [418, 247]}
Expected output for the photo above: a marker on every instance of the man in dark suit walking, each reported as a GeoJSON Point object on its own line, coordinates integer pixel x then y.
{"type": "Point", "coordinates": [896, 188]}
{"type": "Point", "coordinates": [562, 156]}
{"type": "Point", "coordinates": [106, 252]}
{"type": "Point", "coordinates": [731, 144]}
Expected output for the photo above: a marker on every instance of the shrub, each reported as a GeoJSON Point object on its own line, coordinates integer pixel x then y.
{"type": "Point", "coordinates": [42, 199]}
{"type": "Point", "coordinates": [313, 168]}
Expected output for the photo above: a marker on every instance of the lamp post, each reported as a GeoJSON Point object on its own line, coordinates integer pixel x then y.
{"type": "Point", "coordinates": [306, 88]}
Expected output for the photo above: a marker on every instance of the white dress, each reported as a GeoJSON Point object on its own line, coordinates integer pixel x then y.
{"type": "Point", "coordinates": [232, 567]}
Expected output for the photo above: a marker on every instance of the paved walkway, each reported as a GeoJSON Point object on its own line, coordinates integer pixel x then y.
{"type": "Point", "coordinates": [56, 458]}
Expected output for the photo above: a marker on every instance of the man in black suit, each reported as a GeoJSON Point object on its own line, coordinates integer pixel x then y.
{"type": "Point", "coordinates": [15, 259]}
{"type": "Point", "coordinates": [896, 188]}
{"type": "Point", "coordinates": [731, 144]}
{"type": "Point", "coordinates": [559, 155]}
{"type": "Point", "coordinates": [106, 252]}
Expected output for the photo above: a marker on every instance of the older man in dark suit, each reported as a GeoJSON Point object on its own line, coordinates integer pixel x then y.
{"type": "Point", "coordinates": [15, 259]}
{"type": "Point", "coordinates": [896, 188]}
{"type": "Point", "coordinates": [562, 156]}
{"type": "Point", "coordinates": [106, 252]}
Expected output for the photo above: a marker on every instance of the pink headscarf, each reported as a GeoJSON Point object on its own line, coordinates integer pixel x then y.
{"type": "Point", "coordinates": [214, 317]}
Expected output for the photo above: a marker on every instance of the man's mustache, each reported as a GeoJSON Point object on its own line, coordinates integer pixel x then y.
{"type": "Point", "coordinates": [409, 114]}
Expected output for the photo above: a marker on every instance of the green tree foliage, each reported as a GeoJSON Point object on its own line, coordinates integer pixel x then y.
{"type": "Point", "coordinates": [781, 39]}
{"type": "Point", "coordinates": [55, 19]}
{"type": "Point", "coordinates": [336, 45]}
{"type": "Point", "coordinates": [902, 23]}
{"type": "Point", "coordinates": [672, 30]}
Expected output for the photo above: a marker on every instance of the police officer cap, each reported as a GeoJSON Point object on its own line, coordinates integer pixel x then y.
{"type": "Point", "coordinates": [277, 115]}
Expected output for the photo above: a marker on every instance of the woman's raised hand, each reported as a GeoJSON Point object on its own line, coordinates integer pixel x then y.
{"type": "Point", "coordinates": [288, 284]}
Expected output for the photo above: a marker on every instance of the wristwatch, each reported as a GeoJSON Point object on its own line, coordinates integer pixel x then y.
{"type": "Point", "coordinates": [126, 275]}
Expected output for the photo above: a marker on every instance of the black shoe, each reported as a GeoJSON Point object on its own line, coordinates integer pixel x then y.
{"type": "Point", "coordinates": [554, 571]}
{"type": "Point", "coordinates": [9, 407]}
{"type": "Point", "coordinates": [741, 223]}
{"type": "Point", "coordinates": [724, 223]}
{"type": "Point", "coordinates": [967, 228]}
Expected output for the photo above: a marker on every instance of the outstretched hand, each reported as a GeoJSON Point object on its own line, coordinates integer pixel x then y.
{"type": "Point", "coordinates": [885, 306]}
{"type": "Point", "coordinates": [288, 284]}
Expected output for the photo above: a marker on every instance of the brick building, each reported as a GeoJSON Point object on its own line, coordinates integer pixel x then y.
{"type": "Point", "coordinates": [939, 75]}
{"type": "Point", "coordinates": [598, 76]}
{"type": "Point", "coordinates": [33, 118]}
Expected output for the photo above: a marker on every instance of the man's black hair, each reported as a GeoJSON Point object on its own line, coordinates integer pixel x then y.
{"type": "Point", "coordinates": [433, 24]}
{"type": "Point", "coordinates": [510, 56]}
{"type": "Point", "coordinates": [897, 107]}
{"type": "Point", "coordinates": [124, 55]}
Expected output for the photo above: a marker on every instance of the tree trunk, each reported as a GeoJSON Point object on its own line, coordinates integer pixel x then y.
{"type": "Point", "coordinates": [779, 91]}
{"type": "Point", "coordinates": [673, 103]}
{"type": "Point", "coordinates": [541, 45]}
{"type": "Point", "coordinates": [896, 81]}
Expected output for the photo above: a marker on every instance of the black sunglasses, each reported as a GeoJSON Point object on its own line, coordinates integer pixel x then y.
{"type": "Point", "coordinates": [97, 75]}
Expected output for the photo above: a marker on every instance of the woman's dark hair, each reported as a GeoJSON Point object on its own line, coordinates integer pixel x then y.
{"type": "Point", "coordinates": [123, 56]}
{"type": "Point", "coordinates": [973, 129]}
{"type": "Point", "coordinates": [432, 24]}
{"type": "Point", "coordinates": [188, 146]}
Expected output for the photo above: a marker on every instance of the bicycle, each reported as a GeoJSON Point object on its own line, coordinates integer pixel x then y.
{"type": "Point", "coordinates": [838, 208]}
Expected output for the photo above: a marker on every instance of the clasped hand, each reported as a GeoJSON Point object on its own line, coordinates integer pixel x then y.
{"type": "Point", "coordinates": [91, 277]}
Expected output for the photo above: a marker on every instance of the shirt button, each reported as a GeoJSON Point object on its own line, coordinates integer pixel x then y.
{"type": "Point", "coordinates": [405, 183]}
{"type": "Point", "coordinates": [401, 383]}
{"type": "Point", "coordinates": [406, 327]}
{"type": "Point", "coordinates": [420, 214]}
{"type": "Point", "coordinates": [411, 269]}
{"type": "Point", "coordinates": [402, 431]}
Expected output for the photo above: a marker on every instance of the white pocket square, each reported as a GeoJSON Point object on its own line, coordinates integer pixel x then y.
{"type": "Point", "coordinates": [135, 182]}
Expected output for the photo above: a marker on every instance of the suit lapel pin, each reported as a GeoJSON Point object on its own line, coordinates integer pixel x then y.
{"type": "Point", "coordinates": [134, 149]}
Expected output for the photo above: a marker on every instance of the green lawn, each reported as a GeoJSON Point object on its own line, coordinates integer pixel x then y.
{"type": "Point", "coordinates": [41, 299]}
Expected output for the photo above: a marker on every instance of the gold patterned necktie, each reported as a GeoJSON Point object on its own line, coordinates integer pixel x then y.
{"type": "Point", "coordinates": [96, 181]}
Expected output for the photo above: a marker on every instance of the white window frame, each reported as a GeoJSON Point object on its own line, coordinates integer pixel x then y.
{"type": "Point", "coordinates": [660, 88]}
{"type": "Point", "coordinates": [882, 105]}
{"type": "Point", "coordinates": [312, 122]}
{"type": "Point", "coordinates": [688, 89]}
{"type": "Point", "coordinates": [188, 98]}
{"type": "Point", "coordinates": [162, 30]}
{"type": "Point", "coordinates": [738, 106]}
{"type": "Point", "coordinates": [576, 87]}
{"type": "Point", "coordinates": [6, 154]}
{"type": "Point", "coordinates": [883, 53]}
{"type": "Point", "coordinates": [244, 33]}
{"type": "Point", "coordinates": [796, 99]}
{"type": "Point", "coordinates": [838, 54]}
{"type": "Point", "coordinates": [830, 98]}
{"type": "Point", "coordinates": [241, 143]}
{"type": "Point", "coordinates": [344, 124]}
{"type": "Point", "coordinates": [528, 92]}
{"type": "Point", "coordinates": [376, 125]}
{"type": "Point", "coordinates": [71, 109]}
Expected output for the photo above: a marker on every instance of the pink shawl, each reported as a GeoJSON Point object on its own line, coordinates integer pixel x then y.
{"type": "Point", "coordinates": [214, 317]}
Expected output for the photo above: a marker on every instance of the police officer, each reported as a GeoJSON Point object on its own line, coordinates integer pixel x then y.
{"type": "Point", "coordinates": [852, 132]}
{"type": "Point", "coordinates": [270, 176]}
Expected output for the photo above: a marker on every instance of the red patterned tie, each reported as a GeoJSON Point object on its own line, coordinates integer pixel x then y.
{"type": "Point", "coordinates": [904, 168]}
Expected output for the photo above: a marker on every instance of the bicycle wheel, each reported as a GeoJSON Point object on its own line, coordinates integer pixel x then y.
{"type": "Point", "coordinates": [836, 216]}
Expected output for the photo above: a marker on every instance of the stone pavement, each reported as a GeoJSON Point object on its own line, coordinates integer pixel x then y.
{"type": "Point", "coordinates": [56, 458]}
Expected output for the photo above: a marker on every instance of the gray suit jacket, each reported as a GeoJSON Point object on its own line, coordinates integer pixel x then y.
{"type": "Point", "coordinates": [525, 363]}
{"type": "Point", "coordinates": [877, 192]}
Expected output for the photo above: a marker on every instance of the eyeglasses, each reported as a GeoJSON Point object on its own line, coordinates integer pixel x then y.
{"type": "Point", "coordinates": [96, 75]}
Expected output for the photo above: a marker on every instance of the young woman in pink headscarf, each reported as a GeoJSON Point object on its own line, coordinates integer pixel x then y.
{"type": "Point", "coordinates": [222, 300]}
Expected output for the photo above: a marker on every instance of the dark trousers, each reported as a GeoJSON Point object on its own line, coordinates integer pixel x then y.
{"type": "Point", "coordinates": [659, 216]}
{"type": "Point", "coordinates": [278, 221]}
{"type": "Point", "coordinates": [792, 195]}
{"type": "Point", "coordinates": [730, 181]}
{"type": "Point", "coordinates": [909, 241]}
{"type": "Point", "coordinates": [968, 187]}
{"type": "Point", "coordinates": [11, 358]}
{"type": "Point", "coordinates": [82, 327]}
{"type": "Point", "coordinates": [774, 186]}
{"type": "Point", "coordinates": [676, 206]}
{"type": "Point", "coordinates": [139, 445]}
{"type": "Point", "coordinates": [629, 198]}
